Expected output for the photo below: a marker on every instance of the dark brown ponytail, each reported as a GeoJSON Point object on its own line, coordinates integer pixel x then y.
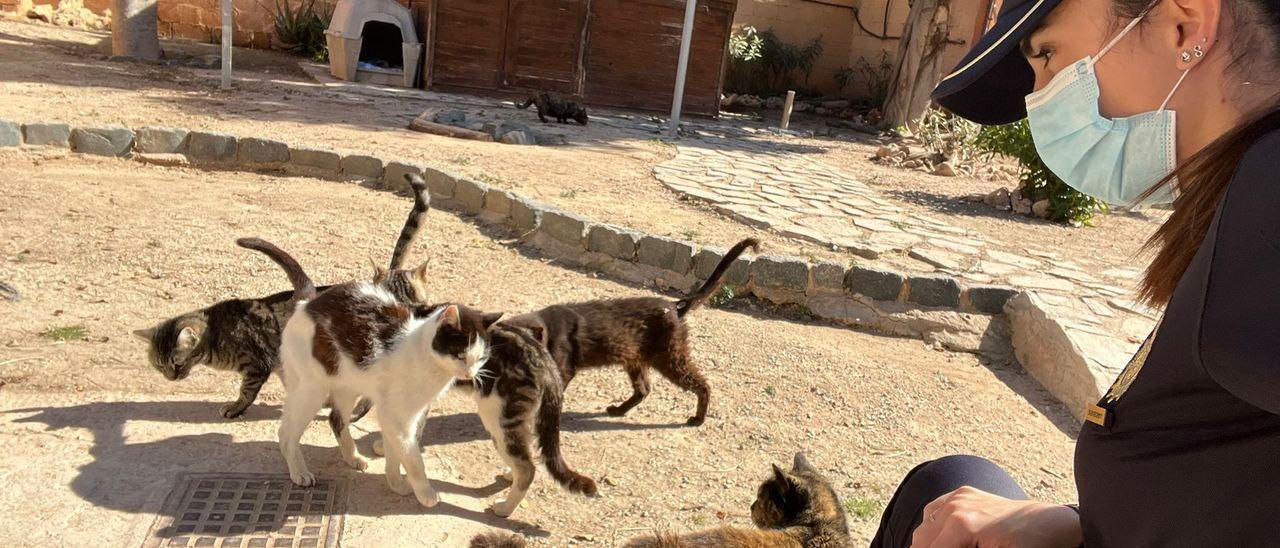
{"type": "Point", "coordinates": [1202, 183]}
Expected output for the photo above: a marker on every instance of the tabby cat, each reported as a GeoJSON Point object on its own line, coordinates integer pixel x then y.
{"type": "Point", "coordinates": [639, 333]}
{"type": "Point", "coordinates": [243, 335]}
{"type": "Point", "coordinates": [355, 340]}
{"type": "Point", "coordinates": [796, 509]}
{"type": "Point", "coordinates": [555, 106]}
{"type": "Point", "coordinates": [519, 394]}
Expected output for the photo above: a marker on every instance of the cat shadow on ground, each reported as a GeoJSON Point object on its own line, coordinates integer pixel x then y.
{"type": "Point", "coordinates": [133, 473]}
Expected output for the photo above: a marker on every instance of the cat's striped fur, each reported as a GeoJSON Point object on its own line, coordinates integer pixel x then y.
{"type": "Point", "coordinates": [243, 335]}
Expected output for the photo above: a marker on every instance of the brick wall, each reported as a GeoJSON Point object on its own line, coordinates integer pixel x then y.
{"type": "Point", "coordinates": [799, 21]}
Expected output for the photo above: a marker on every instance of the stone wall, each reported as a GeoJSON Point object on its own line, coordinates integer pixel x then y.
{"type": "Point", "coordinates": [799, 21]}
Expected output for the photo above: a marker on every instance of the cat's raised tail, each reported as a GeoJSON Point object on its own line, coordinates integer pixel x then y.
{"type": "Point", "coordinates": [412, 225]}
{"type": "Point", "coordinates": [716, 280]}
{"type": "Point", "coordinates": [548, 430]}
{"type": "Point", "coordinates": [303, 287]}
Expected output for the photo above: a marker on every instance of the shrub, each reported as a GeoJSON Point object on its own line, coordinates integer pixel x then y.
{"type": "Point", "coordinates": [761, 64]}
{"type": "Point", "coordinates": [1036, 181]}
{"type": "Point", "coordinates": [302, 30]}
{"type": "Point", "coordinates": [876, 75]}
{"type": "Point", "coordinates": [951, 136]}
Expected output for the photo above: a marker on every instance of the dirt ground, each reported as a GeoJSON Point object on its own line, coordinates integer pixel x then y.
{"type": "Point", "coordinates": [51, 73]}
{"type": "Point", "coordinates": [92, 435]}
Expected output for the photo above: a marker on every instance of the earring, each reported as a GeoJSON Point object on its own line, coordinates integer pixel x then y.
{"type": "Point", "coordinates": [1199, 52]}
{"type": "Point", "coordinates": [1185, 56]}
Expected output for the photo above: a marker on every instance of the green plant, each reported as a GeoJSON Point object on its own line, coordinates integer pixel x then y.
{"type": "Point", "coordinates": [760, 63]}
{"type": "Point", "coordinates": [862, 508]}
{"type": "Point", "coordinates": [770, 391]}
{"type": "Point", "coordinates": [1036, 181]}
{"type": "Point", "coordinates": [302, 29]}
{"type": "Point", "coordinates": [844, 77]}
{"type": "Point", "coordinates": [67, 333]}
{"type": "Point", "coordinates": [876, 74]}
{"type": "Point", "coordinates": [461, 160]}
{"type": "Point", "coordinates": [723, 296]}
{"type": "Point", "coordinates": [949, 135]}
{"type": "Point", "coordinates": [570, 193]}
{"type": "Point", "coordinates": [689, 234]}
{"type": "Point", "coordinates": [700, 519]}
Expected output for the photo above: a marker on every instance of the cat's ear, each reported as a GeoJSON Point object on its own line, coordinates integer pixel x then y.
{"type": "Point", "coordinates": [145, 334]}
{"type": "Point", "coordinates": [379, 273]}
{"type": "Point", "coordinates": [490, 318]}
{"type": "Point", "coordinates": [780, 475]}
{"type": "Point", "coordinates": [420, 273]}
{"type": "Point", "coordinates": [449, 316]}
{"type": "Point", "coordinates": [539, 332]}
{"type": "Point", "coordinates": [801, 464]}
{"type": "Point", "coordinates": [187, 338]}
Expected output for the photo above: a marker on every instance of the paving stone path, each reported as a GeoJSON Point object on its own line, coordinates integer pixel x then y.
{"type": "Point", "coordinates": [799, 198]}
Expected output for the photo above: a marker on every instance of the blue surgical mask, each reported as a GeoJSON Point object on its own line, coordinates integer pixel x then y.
{"type": "Point", "coordinates": [1113, 160]}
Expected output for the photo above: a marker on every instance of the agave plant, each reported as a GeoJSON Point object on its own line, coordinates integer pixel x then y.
{"type": "Point", "coordinates": [302, 29]}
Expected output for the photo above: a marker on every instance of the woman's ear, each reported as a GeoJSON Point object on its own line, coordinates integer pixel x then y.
{"type": "Point", "coordinates": [1196, 23]}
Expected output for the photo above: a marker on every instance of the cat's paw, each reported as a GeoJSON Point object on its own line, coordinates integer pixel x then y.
{"type": "Point", "coordinates": [615, 411]}
{"type": "Point", "coordinates": [427, 497]}
{"type": "Point", "coordinates": [503, 508]}
{"type": "Point", "coordinates": [378, 448]}
{"type": "Point", "coordinates": [358, 462]}
{"type": "Point", "coordinates": [399, 485]}
{"type": "Point", "coordinates": [303, 479]}
{"type": "Point", "coordinates": [233, 409]}
{"type": "Point", "coordinates": [695, 421]}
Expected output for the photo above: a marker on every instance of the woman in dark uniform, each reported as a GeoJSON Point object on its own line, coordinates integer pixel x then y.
{"type": "Point", "coordinates": [1135, 101]}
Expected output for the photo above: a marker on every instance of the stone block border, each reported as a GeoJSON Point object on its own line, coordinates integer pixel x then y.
{"type": "Point", "coordinates": [658, 259]}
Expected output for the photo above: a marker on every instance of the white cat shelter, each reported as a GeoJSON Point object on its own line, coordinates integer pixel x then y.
{"type": "Point", "coordinates": [373, 41]}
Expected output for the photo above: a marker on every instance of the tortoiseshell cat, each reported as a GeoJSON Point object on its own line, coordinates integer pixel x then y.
{"type": "Point", "coordinates": [555, 106]}
{"type": "Point", "coordinates": [355, 340]}
{"type": "Point", "coordinates": [639, 333]}
{"type": "Point", "coordinates": [243, 335]}
{"type": "Point", "coordinates": [796, 509]}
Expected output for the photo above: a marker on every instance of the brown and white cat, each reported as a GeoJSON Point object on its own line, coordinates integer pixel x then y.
{"type": "Point", "coordinates": [519, 394]}
{"type": "Point", "coordinates": [243, 335]}
{"type": "Point", "coordinates": [639, 333]}
{"type": "Point", "coordinates": [355, 340]}
{"type": "Point", "coordinates": [795, 509]}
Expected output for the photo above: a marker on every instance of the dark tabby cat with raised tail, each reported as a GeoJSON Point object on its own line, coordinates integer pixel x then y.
{"type": "Point", "coordinates": [555, 106]}
{"type": "Point", "coordinates": [796, 509]}
{"type": "Point", "coordinates": [243, 335]}
{"type": "Point", "coordinates": [639, 333]}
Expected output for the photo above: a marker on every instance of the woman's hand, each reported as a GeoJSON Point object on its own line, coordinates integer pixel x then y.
{"type": "Point", "coordinates": [969, 517]}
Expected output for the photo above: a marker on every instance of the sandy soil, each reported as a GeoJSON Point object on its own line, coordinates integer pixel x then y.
{"type": "Point", "coordinates": [93, 435]}
{"type": "Point", "coordinates": [51, 73]}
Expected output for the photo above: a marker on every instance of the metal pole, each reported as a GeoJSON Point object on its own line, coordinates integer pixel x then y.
{"type": "Point", "coordinates": [690, 7]}
{"type": "Point", "coordinates": [226, 44]}
{"type": "Point", "coordinates": [786, 109]}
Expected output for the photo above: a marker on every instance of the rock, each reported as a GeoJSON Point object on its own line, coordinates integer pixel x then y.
{"type": "Point", "coordinates": [164, 159]}
{"type": "Point", "coordinates": [361, 166]}
{"type": "Point", "coordinates": [469, 195]}
{"type": "Point", "coordinates": [211, 61]}
{"type": "Point", "coordinates": [883, 152]}
{"type": "Point", "coordinates": [1021, 206]}
{"type": "Point", "coordinates": [881, 285]}
{"type": "Point", "coordinates": [1041, 209]}
{"type": "Point", "coordinates": [549, 140]}
{"type": "Point", "coordinates": [518, 138]}
{"type": "Point", "coordinates": [912, 164]}
{"type": "Point", "coordinates": [451, 117]}
{"type": "Point", "coordinates": [836, 104]}
{"type": "Point", "coordinates": [497, 203]}
{"type": "Point", "coordinates": [726, 101]}
{"type": "Point", "coordinates": [999, 199]}
{"type": "Point", "coordinates": [933, 290]}
{"type": "Point", "coordinates": [211, 147]}
{"type": "Point", "coordinates": [975, 198]}
{"type": "Point", "coordinates": [828, 276]}
{"type": "Point", "coordinates": [820, 111]}
{"type": "Point", "coordinates": [159, 140]}
{"type": "Point", "coordinates": [440, 183]}
{"type": "Point", "coordinates": [310, 158]}
{"type": "Point", "coordinates": [705, 262]}
{"type": "Point", "coordinates": [665, 253]}
{"type": "Point", "coordinates": [616, 242]}
{"type": "Point", "coordinates": [775, 103]}
{"type": "Point", "coordinates": [47, 134]}
{"type": "Point", "coordinates": [802, 107]}
{"type": "Point", "coordinates": [393, 176]}
{"type": "Point", "coordinates": [10, 134]}
{"type": "Point", "coordinates": [789, 273]}
{"type": "Point", "coordinates": [255, 152]}
{"type": "Point", "coordinates": [564, 227]}
{"type": "Point", "coordinates": [749, 101]}
{"type": "Point", "coordinates": [944, 169]}
{"type": "Point", "coordinates": [990, 299]}
{"type": "Point", "coordinates": [526, 215]}
{"type": "Point", "coordinates": [105, 141]}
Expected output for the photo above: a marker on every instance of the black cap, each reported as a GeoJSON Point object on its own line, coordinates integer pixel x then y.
{"type": "Point", "coordinates": [990, 84]}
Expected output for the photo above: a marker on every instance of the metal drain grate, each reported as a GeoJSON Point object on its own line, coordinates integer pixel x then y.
{"type": "Point", "coordinates": [249, 511]}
